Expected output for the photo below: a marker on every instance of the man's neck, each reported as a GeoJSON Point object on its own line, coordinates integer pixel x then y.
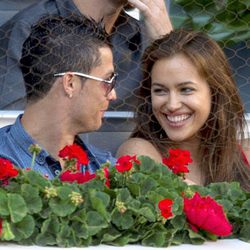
{"type": "Point", "coordinates": [47, 128]}
{"type": "Point", "coordinates": [99, 10]}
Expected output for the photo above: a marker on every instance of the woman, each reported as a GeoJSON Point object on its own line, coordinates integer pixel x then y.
{"type": "Point", "coordinates": [189, 100]}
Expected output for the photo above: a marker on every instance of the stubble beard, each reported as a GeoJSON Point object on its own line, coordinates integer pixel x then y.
{"type": "Point", "coordinates": [118, 3]}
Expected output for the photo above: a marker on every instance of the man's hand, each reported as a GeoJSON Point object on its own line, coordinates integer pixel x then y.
{"type": "Point", "coordinates": [156, 16]}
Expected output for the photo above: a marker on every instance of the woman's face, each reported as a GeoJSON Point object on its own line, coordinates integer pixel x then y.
{"type": "Point", "coordinates": [181, 98]}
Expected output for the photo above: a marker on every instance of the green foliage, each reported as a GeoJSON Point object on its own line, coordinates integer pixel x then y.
{"type": "Point", "coordinates": [37, 211]}
{"type": "Point", "coordinates": [225, 21]}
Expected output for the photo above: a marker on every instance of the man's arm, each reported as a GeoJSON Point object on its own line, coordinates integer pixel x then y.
{"type": "Point", "coordinates": [156, 17]}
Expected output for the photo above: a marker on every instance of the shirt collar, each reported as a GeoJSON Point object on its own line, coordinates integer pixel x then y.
{"type": "Point", "coordinates": [24, 140]}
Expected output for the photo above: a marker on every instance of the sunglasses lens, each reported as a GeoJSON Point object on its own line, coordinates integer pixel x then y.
{"type": "Point", "coordinates": [112, 84]}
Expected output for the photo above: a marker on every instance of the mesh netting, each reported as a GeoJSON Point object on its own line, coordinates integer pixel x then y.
{"type": "Point", "coordinates": [228, 23]}
{"type": "Point", "coordinates": [225, 21]}
{"type": "Point", "coordinates": [182, 92]}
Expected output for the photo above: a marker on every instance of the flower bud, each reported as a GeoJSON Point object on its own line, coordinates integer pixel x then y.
{"type": "Point", "coordinates": [35, 149]}
{"type": "Point", "coordinates": [121, 206]}
{"type": "Point", "coordinates": [76, 198]}
{"type": "Point", "coordinates": [50, 192]}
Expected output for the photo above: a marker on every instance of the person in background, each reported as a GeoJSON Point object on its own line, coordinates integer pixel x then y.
{"type": "Point", "coordinates": [67, 65]}
{"type": "Point", "coordinates": [189, 100]}
{"type": "Point", "coordinates": [128, 35]}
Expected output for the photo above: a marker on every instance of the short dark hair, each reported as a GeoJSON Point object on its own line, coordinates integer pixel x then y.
{"type": "Point", "coordinates": [60, 44]}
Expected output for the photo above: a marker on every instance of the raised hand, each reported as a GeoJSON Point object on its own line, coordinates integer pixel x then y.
{"type": "Point", "coordinates": [156, 16]}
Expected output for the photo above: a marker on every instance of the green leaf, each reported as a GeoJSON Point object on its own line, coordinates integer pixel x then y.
{"type": "Point", "coordinates": [179, 21]}
{"type": "Point", "coordinates": [244, 232]}
{"type": "Point", "coordinates": [4, 210]}
{"type": "Point", "coordinates": [31, 197]}
{"type": "Point", "coordinates": [45, 239]}
{"type": "Point", "coordinates": [148, 185]}
{"type": "Point", "coordinates": [62, 207]}
{"type": "Point", "coordinates": [155, 239]}
{"type": "Point", "coordinates": [95, 222]}
{"type": "Point", "coordinates": [100, 201]}
{"type": "Point", "coordinates": [80, 230]}
{"type": "Point", "coordinates": [64, 192]}
{"type": "Point", "coordinates": [147, 164]}
{"type": "Point", "coordinates": [51, 225]}
{"type": "Point", "coordinates": [121, 241]}
{"type": "Point", "coordinates": [222, 20]}
{"type": "Point", "coordinates": [122, 221]}
{"type": "Point", "coordinates": [7, 233]}
{"type": "Point", "coordinates": [110, 234]}
{"type": "Point", "coordinates": [17, 207]}
{"type": "Point", "coordinates": [134, 188]}
{"type": "Point", "coordinates": [123, 195]}
{"type": "Point", "coordinates": [65, 236]}
{"type": "Point", "coordinates": [246, 205]}
{"type": "Point", "coordinates": [49, 231]}
{"type": "Point", "coordinates": [36, 179]}
{"type": "Point", "coordinates": [148, 214]}
{"type": "Point", "coordinates": [195, 238]}
{"type": "Point", "coordinates": [156, 196]}
{"type": "Point", "coordinates": [24, 228]}
{"type": "Point", "coordinates": [179, 222]}
{"type": "Point", "coordinates": [200, 21]}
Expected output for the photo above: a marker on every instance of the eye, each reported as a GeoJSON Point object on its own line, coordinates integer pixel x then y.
{"type": "Point", "coordinates": [159, 91]}
{"type": "Point", "coordinates": [111, 77]}
{"type": "Point", "coordinates": [187, 90]}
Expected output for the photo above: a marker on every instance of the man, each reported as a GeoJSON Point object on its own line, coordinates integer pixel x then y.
{"type": "Point", "coordinates": [128, 36]}
{"type": "Point", "coordinates": [67, 65]}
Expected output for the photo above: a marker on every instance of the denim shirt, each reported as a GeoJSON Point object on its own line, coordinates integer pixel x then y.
{"type": "Point", "coordinates": [14, 144]}
{"type": "Point", "coordinates": [128, 39]}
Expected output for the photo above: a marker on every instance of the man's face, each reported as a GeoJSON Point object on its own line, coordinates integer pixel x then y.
{"type": "Point", "coordinates": [92, 99]}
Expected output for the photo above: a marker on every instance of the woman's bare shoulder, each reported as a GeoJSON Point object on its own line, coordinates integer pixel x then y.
{"type": "Point", "coordinates": [139, 146]}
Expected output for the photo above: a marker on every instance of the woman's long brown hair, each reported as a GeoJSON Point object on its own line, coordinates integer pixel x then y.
{"type": "Point", "coordinates": [220, 137]}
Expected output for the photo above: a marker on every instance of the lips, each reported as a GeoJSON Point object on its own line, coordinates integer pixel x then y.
{"type": "Point", "coordinates": [177, 120]}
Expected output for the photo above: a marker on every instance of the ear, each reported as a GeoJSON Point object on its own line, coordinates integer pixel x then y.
{"type": "Point", "coordinates": [68, 84]}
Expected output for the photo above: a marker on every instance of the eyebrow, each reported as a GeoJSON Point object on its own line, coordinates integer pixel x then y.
{"type": "Point", "coordinates": [178, 84]}
{"type": "Point", "coordinates": [108, 74]}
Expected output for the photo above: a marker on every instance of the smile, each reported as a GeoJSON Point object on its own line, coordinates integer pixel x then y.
{"type": "Point", "coordinates": [177, 118]}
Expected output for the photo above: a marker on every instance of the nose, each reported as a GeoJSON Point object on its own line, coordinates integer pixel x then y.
{"type": "Point", "coordinates": [173, 102]}
{"type": "Point", "coordinates": [112, 95]}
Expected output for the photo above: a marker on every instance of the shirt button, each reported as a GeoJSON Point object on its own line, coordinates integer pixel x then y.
{"type": "Point", "coordinates": [57, 172]}
{"type": "Point", "coordinates": [41, 159]}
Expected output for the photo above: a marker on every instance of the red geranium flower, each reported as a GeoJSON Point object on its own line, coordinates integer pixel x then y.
{"type": "Point", "coordinates": [1, 227]}
{"type": "Point", "coordinates": [7, 170]}
{"type": "Point", "coordinates": [79, 177]}
{"type": "Point", "coordinates": [125, 163]}
{"type": "Point", "coordinates": [74, 151]}
{"type": "Point", "coordinates": [166, 208]}
{"type": "Point", "coordinates": [205, 213]}
{"type": "Point", "coordinates": [106, 174]}
{"type": "Point", "coordinates": [178, 160]}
